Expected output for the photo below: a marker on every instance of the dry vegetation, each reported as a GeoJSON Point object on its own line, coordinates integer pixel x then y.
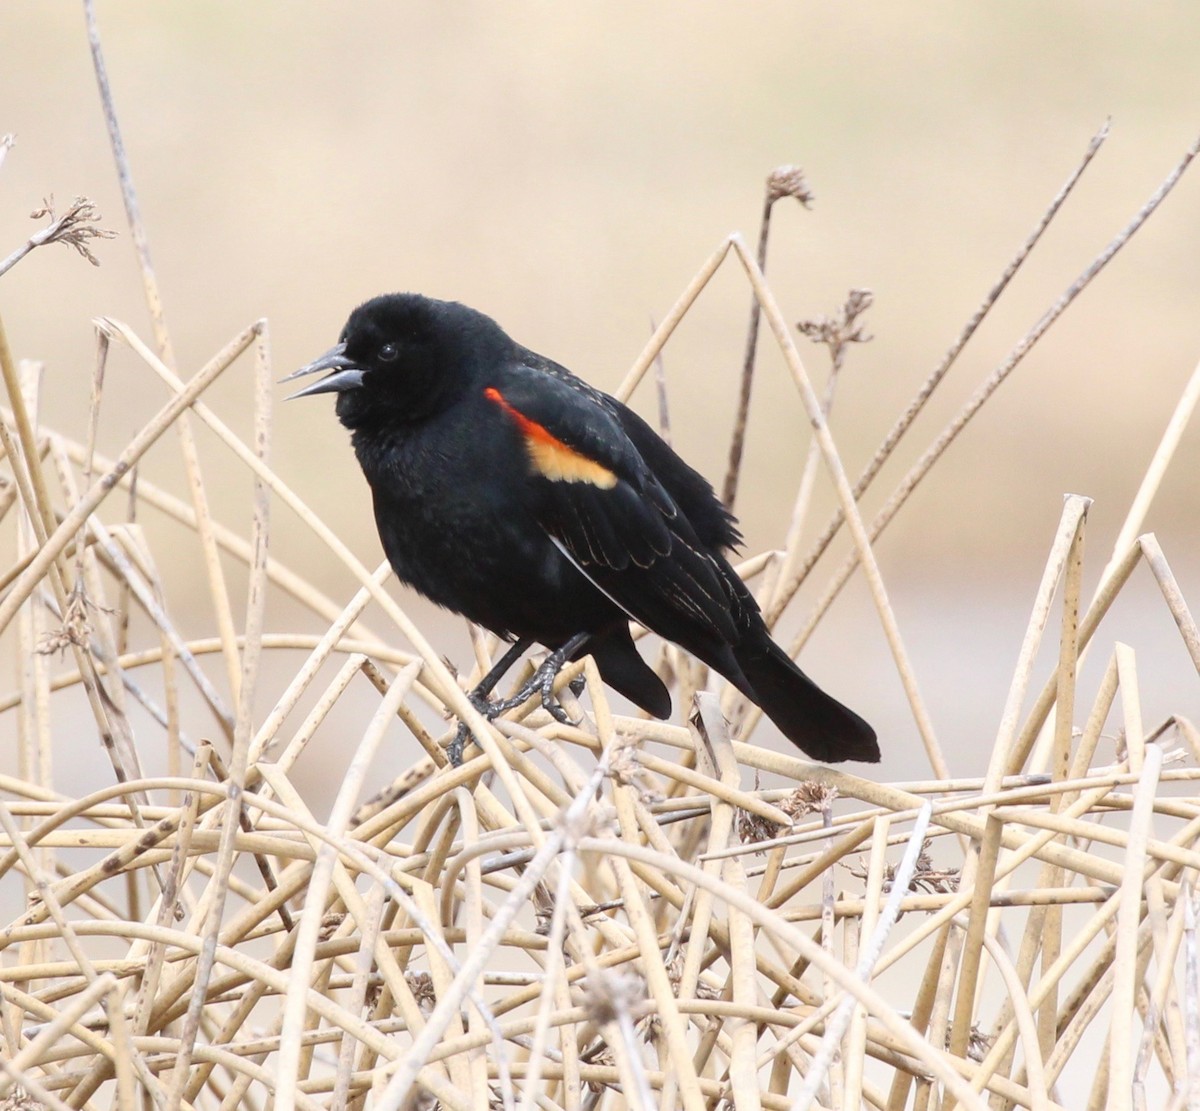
{"type": "Point", "coordinates": [612, 914]}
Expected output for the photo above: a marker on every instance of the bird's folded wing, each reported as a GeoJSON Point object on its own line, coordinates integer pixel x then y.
{"type": "Point", "coordinates": [607, 512]}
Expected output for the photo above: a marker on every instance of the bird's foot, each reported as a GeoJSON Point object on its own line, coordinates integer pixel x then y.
{"type": "Point", "coordinates": [540, 683]}
{"type": "Point", "coordinates": [454, 750]}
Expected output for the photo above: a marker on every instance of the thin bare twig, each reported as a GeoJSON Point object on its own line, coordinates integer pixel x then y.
{"type": "Point", "coordinates": [786, 181]}
{"type": "Point", "coordinates": [993, 382]}
{"type": "Point", "coordinates": [133, 211]}
{"type": "Point", "coordinates": [914, 408]}
{"type": "Point", "coordinates": [77, 227]}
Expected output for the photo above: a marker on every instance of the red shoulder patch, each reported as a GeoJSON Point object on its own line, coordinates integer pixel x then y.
{"type": "Point", "coordinates": [550, 457]}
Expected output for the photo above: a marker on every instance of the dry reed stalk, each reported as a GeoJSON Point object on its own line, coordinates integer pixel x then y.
{"type": "Point", "coordinates": [789, 584]}
{"type": "Point", "coordinates": [935, 451]}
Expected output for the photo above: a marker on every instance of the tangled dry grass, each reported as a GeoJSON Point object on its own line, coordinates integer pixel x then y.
{"type": "Point", "coordinates": [606, 915]}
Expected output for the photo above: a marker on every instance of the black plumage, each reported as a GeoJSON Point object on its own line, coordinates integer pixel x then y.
{"type": "Point", "coordinates": [509, 490]}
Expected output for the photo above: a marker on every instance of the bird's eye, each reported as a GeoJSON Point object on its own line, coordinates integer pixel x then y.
{"type": "Point", "coordinates": [389, 353]}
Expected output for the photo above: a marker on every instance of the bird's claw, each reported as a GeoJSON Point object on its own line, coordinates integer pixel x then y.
{"type": "Point", "coordinates": [550, 703]}
{"type": "Point", "coordinates": [454, 750]}
{"type": "Point", "coordinates": [540, 683]}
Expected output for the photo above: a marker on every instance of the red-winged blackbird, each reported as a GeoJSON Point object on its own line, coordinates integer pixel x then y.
{"type": "Point", "coordinates": [510, 491]}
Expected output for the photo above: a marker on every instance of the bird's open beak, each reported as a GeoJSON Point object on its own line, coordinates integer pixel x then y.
{"type": "Point", "coordinates": [346, 373]}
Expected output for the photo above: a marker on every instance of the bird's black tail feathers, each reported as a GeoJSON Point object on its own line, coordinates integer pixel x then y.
{"type": "Point", "coordinates": [623, 669]}
{"type": "Point", "coordinates": [812, 720]}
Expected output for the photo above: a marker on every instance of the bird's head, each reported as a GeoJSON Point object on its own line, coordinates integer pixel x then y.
{"type": "Point", "coordinates": [403, 357]}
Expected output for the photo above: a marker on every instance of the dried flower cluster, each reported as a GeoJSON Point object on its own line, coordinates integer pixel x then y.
{"type": "Point", "coordinates": [788, 181]}
{"type": "Point", "coordinates": [838, 332]}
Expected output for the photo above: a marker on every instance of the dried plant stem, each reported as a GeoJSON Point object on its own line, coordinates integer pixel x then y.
{"type": "Point", "coordinates": [1152, 479]}
{"type": "Point", "coordinates": [934, 452]}
{"type": "Point", "coordinates": [314, 908]}
{"type": "Point", "coordinates": [799, 942]}
{"type": "Point", "coordinates": [216, 579]}
{"type": "Point", "coordinates": [841, 1017]}
{"type": "Point", "coordinates": [62, 1023]}
{"type": "Point", "coordinates": [30, 478]}
{"type": "Point", "coordinates": [1070, 527]}
{"type": "Point", "coordinates": [773, 602]}
{"type": "Point", "coordinates": [980, 872]}
{"type": "Point", "coordinates": [226, 538]}
{"type": "Point", "coordinates": [128, 193]}
{"type": "Point", "coordinates": [111, 722]}
{"type": "Point", "coordinates": [858, 529]}
{"type": "Point", "coordinates": [789, 586]}
{"type": "Point", "coordinates": [239, 765]}
{"type": "Point", "coordinates": [1129, 914]}
{"type": "Point", "coordinates": [737, 443]}
{"type": "Point", "coordinates": [401, 1082]}
{"type": "Point", "coordinates": [32, 574]}
{"type": "Point", "coordinates": [670, 322]}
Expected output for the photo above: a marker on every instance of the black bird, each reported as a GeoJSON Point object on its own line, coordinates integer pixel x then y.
{"type": "Point", "coordinates": [510, 491]}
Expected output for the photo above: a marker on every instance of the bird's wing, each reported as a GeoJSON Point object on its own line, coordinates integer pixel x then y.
{"type": "Point", "coordinates": [608, 512]}
{"type": "Point", "coordinates": [712, 522]}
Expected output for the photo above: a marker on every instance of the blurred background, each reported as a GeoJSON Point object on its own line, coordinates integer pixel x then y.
{"type": "Point", "coordinates": [566, 169]}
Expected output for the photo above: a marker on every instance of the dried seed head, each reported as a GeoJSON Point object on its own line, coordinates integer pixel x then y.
{"type": "Point", "coordinates": [925, 878]}
{"type": "Point", "coordinates": [809, 798]}
{"type": "Point", "coordinates": [978, 1043]}
{"type": "Point", "coordinates": [788, 181]}
{"type": "Point", "coordinates": [931, 879]}
{"type": "Point", "coordinates": [754, 827]}
{"type": "Point", "coordinates": [75, 227]}
{"type": "Point", "coordinates": [675, 975]}
{"type": "Point", "coordinates": [75, 629]}
{"type": "Point", "coordinates": [623, 764]}
{"type": "Point", "coordinates": [609, 994]}
{"type": "Point", "coordinates": [543, 910]}
{"type": "Point", "coordinates": [20, 1100]}
{"type": "Point", "coordinates": [650, 1027]}
{"type": "Point", "coordinates": [625, 768]}
{"type": "Point", "coordinates": [838, 332]}
{"type": "Point", "coordinates": [421, 985]}
{"type": "Point", "coordinates": [600, 1054]}
{"type": "Point", "coordinates": [330, 924]}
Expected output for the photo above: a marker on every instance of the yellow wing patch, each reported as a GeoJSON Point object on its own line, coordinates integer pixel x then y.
{"type": "Point", "coordinates": [552, 458]}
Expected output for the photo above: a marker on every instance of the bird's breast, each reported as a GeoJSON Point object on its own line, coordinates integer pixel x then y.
{"type": "Point", "coordinates": [452, 520]}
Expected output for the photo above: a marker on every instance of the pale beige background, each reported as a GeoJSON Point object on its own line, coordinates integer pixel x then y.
{"type": "Point", "coordinates": [567, 167]}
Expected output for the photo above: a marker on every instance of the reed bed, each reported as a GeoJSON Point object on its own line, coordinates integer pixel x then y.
{"type": "Point", "coordinates": [618, 913]}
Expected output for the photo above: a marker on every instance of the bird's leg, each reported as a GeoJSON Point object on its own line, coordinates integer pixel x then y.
{"type": "Point", "coordinates": [543, 678]}
{"type": "Point", "coordinates": [485, 685]}
{"type": "Point", "coordinates": [541, 682]}
{"type": "Point", "coordinates": [479, 695]}
{"type": "Point", "coordinates": [454, 749]}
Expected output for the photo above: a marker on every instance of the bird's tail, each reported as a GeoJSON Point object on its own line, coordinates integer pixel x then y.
{"type": "Point", "coordinates": [623, 669]}
{"type": "Point", "coordinates": [812, 720]}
